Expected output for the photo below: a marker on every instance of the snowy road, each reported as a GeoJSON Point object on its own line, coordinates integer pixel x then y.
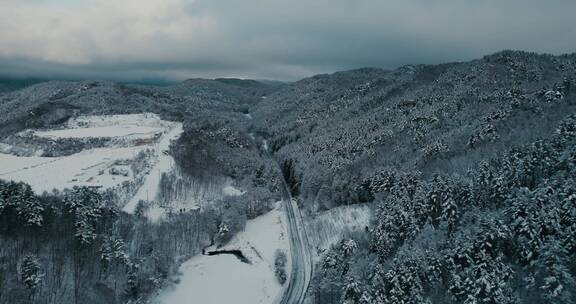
{"type": "Point", "coordinates": [301, 272]}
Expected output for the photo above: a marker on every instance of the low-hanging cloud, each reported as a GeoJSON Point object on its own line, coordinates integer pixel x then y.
{"type": "Point", "coordinates": [277, 39]}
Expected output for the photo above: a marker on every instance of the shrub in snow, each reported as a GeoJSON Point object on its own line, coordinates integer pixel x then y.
{"type": "Point", "coordinates": [348, 247]}
{"type": "Point", "coordinates": [280, 261]}
{"type": "Point", "coordinates": [553, 95]}
{"type": "Point", "coordinates": [30, 274]}
{"type": "Point", "coordinates": [487, 133]}
{"type": "Point", "coordinates": [553, 274]}
{"type": "Point", "coordinates": [141, 208]}
{"type": "Point", "coordinates": [223, 234]}
{"type": "Point", "coordinates": [435, 149]}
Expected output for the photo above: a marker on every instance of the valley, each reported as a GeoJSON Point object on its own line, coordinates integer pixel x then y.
{"type": "Point", "coordinates": [424, 183]}
{"type": "Point", "coordinates": [133, 146]}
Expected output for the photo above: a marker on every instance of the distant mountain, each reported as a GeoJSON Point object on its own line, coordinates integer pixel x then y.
{"type": "Point", "coordinates": [9, 84]}
{"type": "Point", "coordinates": [189, 99]}
{"type": "Point", "coordinates": [245, 90]}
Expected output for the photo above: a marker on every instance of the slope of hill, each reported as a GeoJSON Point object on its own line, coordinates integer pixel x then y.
{"type": "Point", "coordinates": [120, 257]}
{"type": "Point", "coordinates": [48, 102]}
{"type": "Point", "coordinates": [466, 171]}
{"type": "Point", "coordinates": [332, 132]}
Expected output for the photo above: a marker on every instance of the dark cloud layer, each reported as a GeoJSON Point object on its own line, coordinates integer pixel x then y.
{"type": "Point", "coordinates": [274, 39]}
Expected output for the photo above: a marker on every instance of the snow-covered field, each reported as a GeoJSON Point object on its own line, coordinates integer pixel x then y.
{"type": "Point", "coordinates": [165, 163]}
{"type": "Point", "coordinates": [100, 167]}
{"type": "Point", "coordinates": [328, 228]}
{"type": "Point", "coordinates": [223, 279]}
{"type": "Point", "coordinates": [129, 126]}
{"type": "Point", "coordinates": [87, 168]}
{"type": "Point", "coordinates": [138, 153]}
{"type": "Point", "coordinates": [205, 279]}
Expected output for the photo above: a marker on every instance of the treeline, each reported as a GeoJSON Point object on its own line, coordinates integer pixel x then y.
{"type": "Point", "coordinates": [76, 247]}
{"type": "Point", "coordinates": [504, 233]}
{"type": "Point", "coordinates": [28, 144]}
{"type": "Point", "coordinates": [56, 251]}
{"type": "Point", "coordinates": [212, 150]}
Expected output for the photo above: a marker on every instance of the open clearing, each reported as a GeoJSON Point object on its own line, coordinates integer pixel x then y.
{"type": "Point", "coordinates": [87, 168]}
{"type": "Point", "coordinates": [106, 167]}
{"type": "Point", "coordinates": [222, 279]}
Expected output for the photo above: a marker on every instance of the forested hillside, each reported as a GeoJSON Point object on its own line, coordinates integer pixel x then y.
{"type": "Point", "coordinates": [53, 102]}
{"type": "Point", "coordinates": [503, 233]}
{"type": "Point", "coordinates": [469, 169]}
{"type": "Point", "coordinates": [332, 132]}
{"type": "Point", "coordinates": [77, 246]}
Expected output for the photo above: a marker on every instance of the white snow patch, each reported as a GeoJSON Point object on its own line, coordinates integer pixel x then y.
{"type": "Point", "coordinates": [223, 279]}
{"type": "Point", "coordinates": [150, 188]}
{"type": "Point", "coordinates": [155, 213]}
{"type": "Point", "coordinates": [101, 167]}
{"type": "Point", "coordinates": [87, 168]}
{"type": "Point", "coordinates": [232, 191]}
{"type": "Point", "coordinates": [328, 228]}
{"type": "Point", "coordinates": [145, 125]}
{"type": "Point", "coordinates": [142, 119]}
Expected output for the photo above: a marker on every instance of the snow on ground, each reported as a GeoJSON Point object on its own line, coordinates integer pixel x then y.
{"type": "Point", "coordinates": [101, 167]}
{"type": "Point", "coordinates": [108, 132]}
{"type": "Point", "coordinates": [223, 279]}
{"type": "Point", "coordinates": [184, 193]}
{"type": "Point", "coordinates": [150, 188]}
{"type": "Point", "coordinates": [328, 228]}
{"type": "Point", "coordinates": [142, 119]}
{"type": "Point", "coordinates": [232, 191]}
{"type": "Point", "coordinates": [146, 126]}
{"type": "Point", "coordinates": [87, 168]}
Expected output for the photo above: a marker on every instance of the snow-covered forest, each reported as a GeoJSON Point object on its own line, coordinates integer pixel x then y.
{"type": "Point", "coordinates": [503, 234]}
{"type": "Point", "coordinates": [450, 183]}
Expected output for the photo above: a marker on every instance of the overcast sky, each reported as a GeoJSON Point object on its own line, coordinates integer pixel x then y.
{"type": "Point", "coordinates": [266, 39]}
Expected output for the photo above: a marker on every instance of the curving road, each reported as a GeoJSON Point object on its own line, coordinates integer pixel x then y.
{"type": "Point", "coordinates": [301, 257]}
{"type": "Point", "coordinates": [301, 271]}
